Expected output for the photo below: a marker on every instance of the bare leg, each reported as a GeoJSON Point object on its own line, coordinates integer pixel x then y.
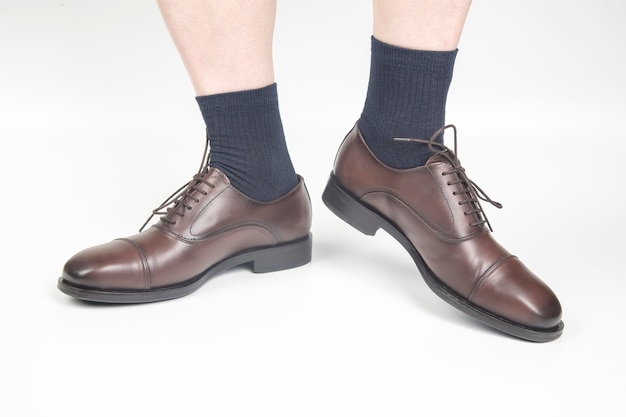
{"type": "Point", "coordinates": [230, 213]}
{"type": "Point", "coordinates": [226, 45]}
{"type": "Point", "coordinates": [430, 25]}
{"type": "Point", "coordinates": [413, 52]}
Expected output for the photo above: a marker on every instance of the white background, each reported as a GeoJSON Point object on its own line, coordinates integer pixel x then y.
{"type": "Point", "coordinates": [98, 125]}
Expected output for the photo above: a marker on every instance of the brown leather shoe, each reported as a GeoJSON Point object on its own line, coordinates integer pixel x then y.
{"type": "Point", "coordinates": [435, 213]}
{"type": "Point", "coordinates": [210, 227]}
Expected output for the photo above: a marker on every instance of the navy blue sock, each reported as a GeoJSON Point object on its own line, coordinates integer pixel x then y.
{"type": "Point", "coordinates": [406, 97]}
{"type": "Point", "coordinates": [248, 143]}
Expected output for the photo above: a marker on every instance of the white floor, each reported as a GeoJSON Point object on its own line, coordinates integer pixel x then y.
{"type": "Point", "coordinates": [98, 125]}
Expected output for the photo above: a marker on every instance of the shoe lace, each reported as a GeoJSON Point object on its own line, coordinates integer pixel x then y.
{"type": "Point", "coordinates": [470, 189]}
{"type": "Point", "coordinates": [180, 200]}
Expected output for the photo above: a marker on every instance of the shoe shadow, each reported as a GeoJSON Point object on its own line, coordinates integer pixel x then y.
{"type": "Point", "coordinates": [400, 274]}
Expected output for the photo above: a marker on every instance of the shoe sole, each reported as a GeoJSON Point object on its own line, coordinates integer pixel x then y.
{"type": "Point", "coordinates": [367, 220]}
{"type": "Point", "coordinates": [267, 259]}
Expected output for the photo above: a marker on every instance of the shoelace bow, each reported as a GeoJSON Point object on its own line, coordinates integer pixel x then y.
{"type": "Point", "coordinates": [179, 201]}
{"type": "Point", "coordinates": [471, 189]}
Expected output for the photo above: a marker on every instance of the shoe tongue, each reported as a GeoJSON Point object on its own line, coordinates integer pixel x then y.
{"type": "Point", "coordinates": [436, 158]}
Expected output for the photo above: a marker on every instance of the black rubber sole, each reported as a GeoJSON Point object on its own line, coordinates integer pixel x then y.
{"type": "Point", "coordinates": [268, 259]}
{"type": "Point", "coordinates": [367, 220]}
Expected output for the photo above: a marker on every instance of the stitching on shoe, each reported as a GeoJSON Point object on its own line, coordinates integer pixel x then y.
{"type": "Point", "coordinates": [209, 237]}
{"type": "Point", "coordinates": [400, 203]}
{"type": "Point", "coordinates": [478, 283]}
{"type": "Point", "coordinates": [147, 275]}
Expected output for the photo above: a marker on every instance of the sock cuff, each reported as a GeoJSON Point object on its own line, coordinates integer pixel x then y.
{"type": "Point", "coordinates": [238, 101]}
{"type": "Point", "coordinates": [413, 59]}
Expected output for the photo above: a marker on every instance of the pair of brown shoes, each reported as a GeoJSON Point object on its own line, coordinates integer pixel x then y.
{"type": "Point", "coordinates": [433, 211]}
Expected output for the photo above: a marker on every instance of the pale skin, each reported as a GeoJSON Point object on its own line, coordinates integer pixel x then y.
{"type": "Point", "coordinates": [226, 45]}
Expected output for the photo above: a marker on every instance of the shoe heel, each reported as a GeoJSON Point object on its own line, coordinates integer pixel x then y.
{"type": "Point", "coordinates": [286, 256]}
{"type": "Point", "coordinates": [349, 209]}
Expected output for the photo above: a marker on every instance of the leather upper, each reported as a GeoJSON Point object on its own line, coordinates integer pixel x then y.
{"type": "Point", "coordinates": [212, 223]}
{"type": "Point", "coordinates": [428, 205]}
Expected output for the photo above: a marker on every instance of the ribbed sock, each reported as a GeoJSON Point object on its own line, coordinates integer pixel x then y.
{"type": "Point", "coordinates": [406, 97]}
{"type": "Point", "coordinates": [248, 143]}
